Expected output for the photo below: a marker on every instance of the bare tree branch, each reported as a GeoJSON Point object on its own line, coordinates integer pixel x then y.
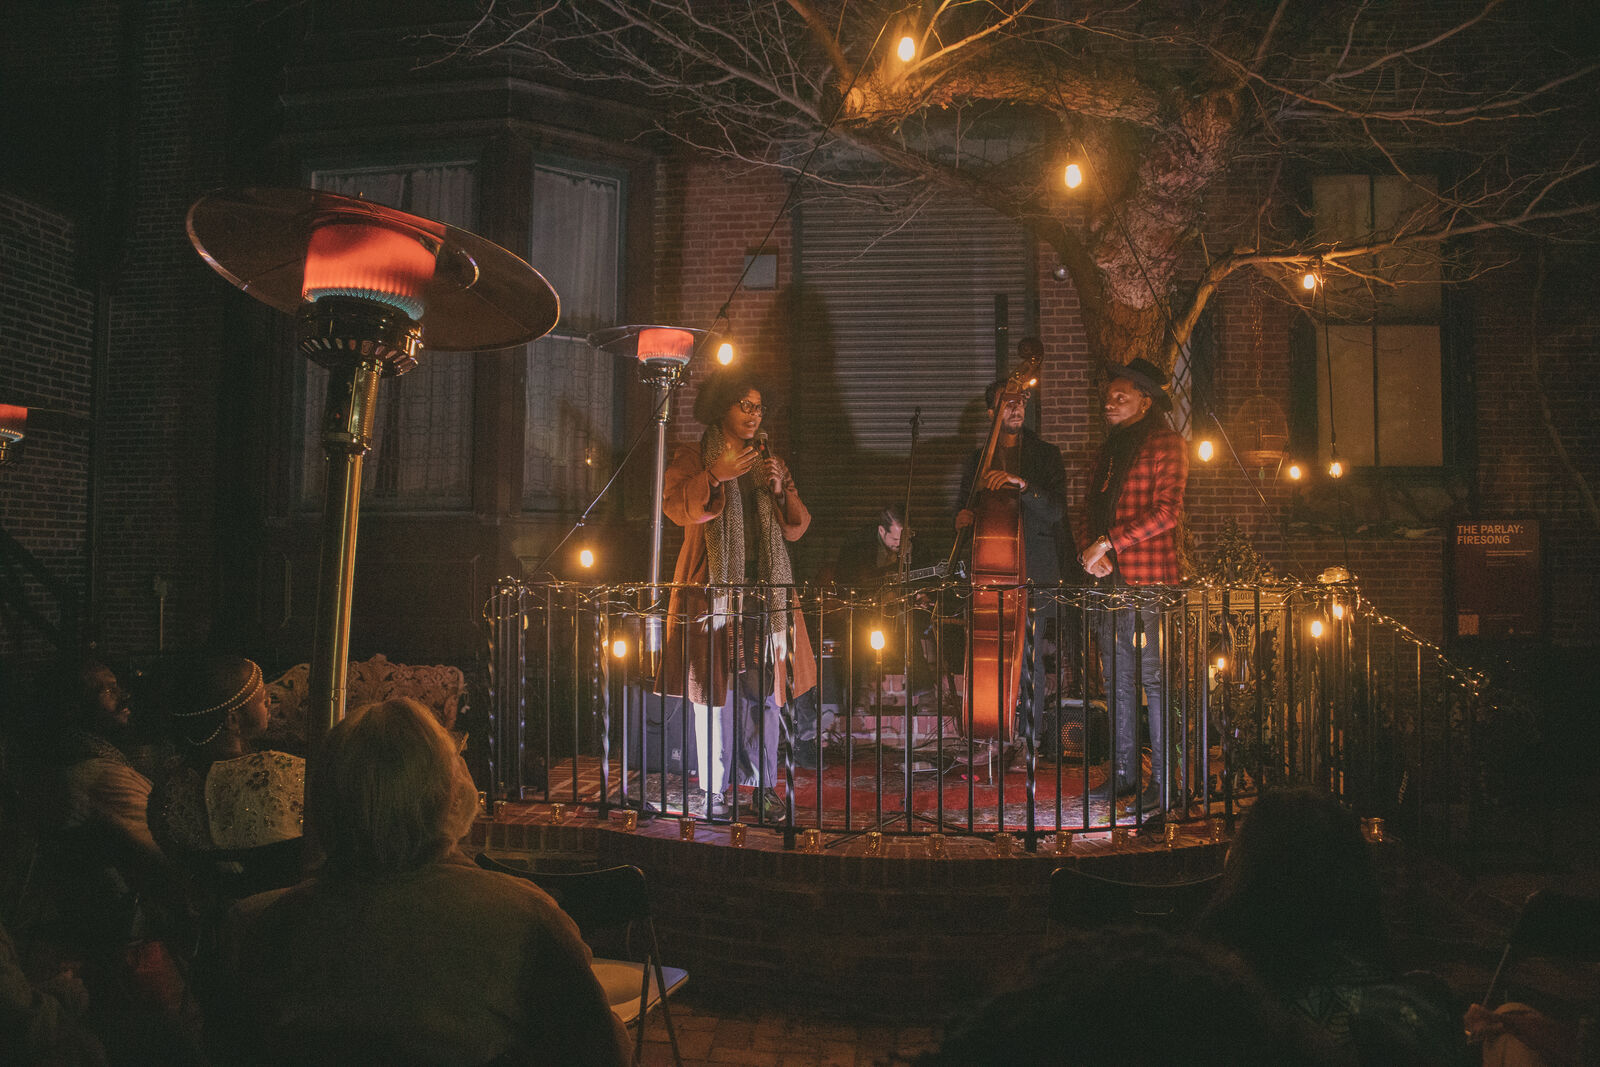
{"type": "Point", "coordinates": [1172, 102]}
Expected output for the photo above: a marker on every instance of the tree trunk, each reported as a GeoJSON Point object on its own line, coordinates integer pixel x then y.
{"type": "Point", "coordinates": [1118, 333]}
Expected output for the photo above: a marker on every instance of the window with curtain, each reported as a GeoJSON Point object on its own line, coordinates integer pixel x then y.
{"type": "Point", "coordinates": [421, 456]}
{"type": "Point", "coordinates": [571, 408]}
{"type": "Point", "coordinates": [1380, 377]}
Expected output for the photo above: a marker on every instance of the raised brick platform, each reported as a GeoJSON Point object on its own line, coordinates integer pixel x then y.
{"type": "Point", "coordinates": [902, 934]}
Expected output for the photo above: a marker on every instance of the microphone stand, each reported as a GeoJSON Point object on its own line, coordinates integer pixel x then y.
{"type": "Point", "coordinates": [904, 569]}
{"type": "Point", "coordinates": [907, 628]}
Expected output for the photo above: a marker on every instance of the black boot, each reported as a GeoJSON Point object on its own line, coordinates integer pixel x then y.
{"type": "Point", "coordinates": [1122, 786]}
{"type": "Point", "coordinates": [1150, 799]}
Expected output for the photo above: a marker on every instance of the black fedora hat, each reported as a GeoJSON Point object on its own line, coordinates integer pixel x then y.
{"type": "Point", "coordinates": [1146, 376]}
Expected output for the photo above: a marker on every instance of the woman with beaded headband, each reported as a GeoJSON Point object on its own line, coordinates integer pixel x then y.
{"type": "Point", "coordinates": [217, 793]}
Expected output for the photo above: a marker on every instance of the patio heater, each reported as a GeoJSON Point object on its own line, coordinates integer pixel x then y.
{"type": "Point", "coordinates": [661, 352]}
{"type": "Point", "coordinates": [366, 284]}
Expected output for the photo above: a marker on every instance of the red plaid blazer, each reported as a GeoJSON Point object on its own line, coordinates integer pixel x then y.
{"type": "Point", "coordinates": [1144, 530]}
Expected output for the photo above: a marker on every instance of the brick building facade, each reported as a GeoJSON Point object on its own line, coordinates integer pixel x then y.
{"type": "Point", "coordinates": [191, 452]}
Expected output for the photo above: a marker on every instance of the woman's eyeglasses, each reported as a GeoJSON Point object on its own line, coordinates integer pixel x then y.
{"type": "Point", "coordinates": [750, 407]}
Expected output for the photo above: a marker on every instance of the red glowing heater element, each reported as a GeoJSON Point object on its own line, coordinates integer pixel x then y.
{"type": "Point", "coordinates": [658, 343]}
{"type": "Point", "coordinates": [13, 422]}
{"type": "Point", "coordinates": [353, 257]}
{"type": "Point", "coordinates": [13, 427]}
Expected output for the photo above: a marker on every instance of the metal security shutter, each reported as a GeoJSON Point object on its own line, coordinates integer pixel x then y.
{"type": "Point", "coordinates": [892, 315]}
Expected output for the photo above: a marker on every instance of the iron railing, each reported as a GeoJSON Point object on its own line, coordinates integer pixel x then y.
{"type": "Point", "coordinates": [1271, 684]}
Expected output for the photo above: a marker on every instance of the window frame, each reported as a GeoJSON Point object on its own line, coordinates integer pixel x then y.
{"type": "Point", "coordinates": [1456, 360]}
{"type": "Point", "coordinates": [378, 159]}
{"type": "Point", "coordinates": [624, 178]}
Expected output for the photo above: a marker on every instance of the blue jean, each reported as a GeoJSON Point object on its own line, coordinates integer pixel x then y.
{"type": "Point", "coordinates": [736, 743]}
{"type": "Point", "coordinates": [1134, 664]}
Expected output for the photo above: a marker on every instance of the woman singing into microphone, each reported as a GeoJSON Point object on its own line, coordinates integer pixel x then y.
{"type": "Point", "coordinates": [738, 508]}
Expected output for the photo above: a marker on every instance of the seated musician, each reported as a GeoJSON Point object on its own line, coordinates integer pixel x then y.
{"type": "Point", "coordinates": [1032, 466]}
{"type": "Point", "coordinates": [870, 563]}
{"type": "Point", "coordinates": [870, 556]}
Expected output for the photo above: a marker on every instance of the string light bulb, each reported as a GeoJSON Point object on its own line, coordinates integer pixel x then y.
{"type": "Point", "coordinates": [1316, 627]}
{"type": "Point", "coordinates": [1308, 280]}
{"type": "Point", "coordinates": [1295, 473]}
{"type": "Point", "coordinates": [876, 640]}
{"type": "Point", "coordinates": [1074, 175]}
{"type": "Point", "coordinates": [1205, 450]}
{"type": "Point", "coordinates": [725, 353]}
{"type": "Point", "coordinates": [1336, 469]}
{"type": "Point", "coordinates": [619, 648]}
{"type": "Point", "coordinates": [586, 558]}
{"type": "Point", "coordinates": [1338, 610]}
{"type": "Point", "coordinates": [907, 51]}
{"type": "Point", "coordinates": [1222, 663]}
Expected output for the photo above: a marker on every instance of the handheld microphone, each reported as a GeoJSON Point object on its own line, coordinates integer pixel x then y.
{"type": "Point", "coordinates": [761, 444]}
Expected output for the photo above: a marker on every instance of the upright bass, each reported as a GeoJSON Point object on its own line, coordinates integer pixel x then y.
{"type": "Point", "coordinates": [999, 618]}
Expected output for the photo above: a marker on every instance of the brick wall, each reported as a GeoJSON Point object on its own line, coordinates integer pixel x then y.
{"type": "Point", "coordinates": [162, 373]}
{"type": "Point", "coordinates": [158, 424]}
{"type": "Point", "coordinates": [1538, 438]}
{"type": "Point", "coordinates": [45, 336]}
{"type": "Point", "coordinates": [707, 218]}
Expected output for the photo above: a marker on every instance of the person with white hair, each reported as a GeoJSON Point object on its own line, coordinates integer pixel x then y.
{"type": "Point", "coordinates": [399, 949]}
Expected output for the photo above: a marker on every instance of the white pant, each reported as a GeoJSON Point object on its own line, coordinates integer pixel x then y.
{"type": "Point", "coordinates": [739, 749]}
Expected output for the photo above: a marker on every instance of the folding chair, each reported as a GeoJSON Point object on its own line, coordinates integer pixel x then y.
{"type": "Point", "coordinates": [1553, 925]}
{"type": "Point", "coordinates": [614, 897]}
{"type": "Point", "coordinates": [1084, 901]}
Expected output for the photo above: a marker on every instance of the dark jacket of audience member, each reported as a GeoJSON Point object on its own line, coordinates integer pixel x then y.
{"type": "Point", "coordinates": [1133, 997]}
{"type": "Point", "coordinates": [101, 864]}
{"type": "Point", "coordinates": [1301, 902]}
{"type": "Point", "coordinates": [400, 950]}
{"type": "Point", "coordinates": [41, 1022]}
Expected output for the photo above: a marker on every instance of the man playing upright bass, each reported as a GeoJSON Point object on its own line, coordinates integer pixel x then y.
{"type": "Point", "coordinates": [1031, 467]}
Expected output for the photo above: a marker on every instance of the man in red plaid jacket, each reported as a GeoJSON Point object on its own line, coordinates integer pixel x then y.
{"type": "Point", "coordinates": [1135, 502]}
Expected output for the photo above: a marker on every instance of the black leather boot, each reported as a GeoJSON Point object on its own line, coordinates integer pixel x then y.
{"type": "Point", "coordinates": [1150, 798]}
{"type": "Point", "coordinates": [1122, 785]}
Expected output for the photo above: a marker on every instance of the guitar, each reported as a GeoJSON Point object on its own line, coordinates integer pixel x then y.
{"type": "Point", "coordinates": [922, 574]}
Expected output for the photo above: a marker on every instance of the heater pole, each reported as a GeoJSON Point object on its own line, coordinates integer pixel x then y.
{"type": "Point", "coordinates": [664, 376]}
{"type": "Point", "coordinates": [346, 437]}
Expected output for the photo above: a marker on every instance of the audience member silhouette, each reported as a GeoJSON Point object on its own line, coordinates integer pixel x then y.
{"type": "Point", "coordinates": [401, 950]}
{"type": "Point", "coordinates": [104, 859]}
{"type": "Point", "coordinates": [1300, 901]}
{"type": "Point", "coordinates": [40, 1022]}
{"type": "Point", "coordinates": [102, 900]}
{"type": "Point", "coordinates": [1134, 997]}
{"type": "Point", "coordinates": [217, 793]}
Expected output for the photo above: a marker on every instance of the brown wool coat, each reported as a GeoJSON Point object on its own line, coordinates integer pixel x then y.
{"type": "Point", "coordinates": [690, 500]}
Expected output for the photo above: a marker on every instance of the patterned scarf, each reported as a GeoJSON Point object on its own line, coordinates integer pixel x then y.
{"type": "Point", "coordinates": [725, 542]}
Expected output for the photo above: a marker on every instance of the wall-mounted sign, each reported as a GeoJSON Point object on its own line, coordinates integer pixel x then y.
{"type": "Point", "coordinates": [1499, 587]}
